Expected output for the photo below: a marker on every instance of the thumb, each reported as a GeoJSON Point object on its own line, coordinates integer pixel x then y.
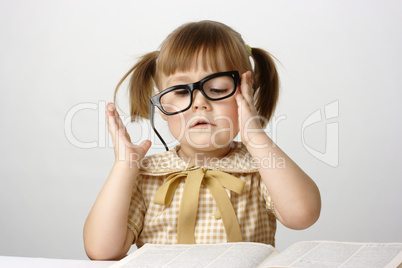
{"type": "Point", "coordinates": [145, 145]}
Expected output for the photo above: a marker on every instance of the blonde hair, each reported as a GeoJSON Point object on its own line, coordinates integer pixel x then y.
{"type": "Point", "coordinates": [213, 42]}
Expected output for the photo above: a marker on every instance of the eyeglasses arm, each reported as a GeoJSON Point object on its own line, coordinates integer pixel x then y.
{"type": "Point", "coordinates": [151, 118]}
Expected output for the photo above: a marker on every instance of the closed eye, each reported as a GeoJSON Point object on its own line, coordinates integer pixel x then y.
{"type": "Point", "coordinates": [217, 90]}
{"type": "Point", "coordinates": [181, 92]}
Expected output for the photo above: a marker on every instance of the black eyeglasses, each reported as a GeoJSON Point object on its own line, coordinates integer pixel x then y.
{"type": "Point", "coordinates": [178, 99]}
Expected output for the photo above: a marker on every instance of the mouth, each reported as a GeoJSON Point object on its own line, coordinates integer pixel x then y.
{"type": "Point", "coordinates": [202, 124]}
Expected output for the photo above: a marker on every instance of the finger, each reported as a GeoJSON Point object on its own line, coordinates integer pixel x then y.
{"type": "Point", "coordinates": [117, 118]}
{"type": "Point", "coordinates": [109, 112]}
{"type": "Point", "coordinates": [245, 109]}
{"type": "Point", "coordinates": [110, 119]}
{"type": "Point", "coordinates": [115, 114]}
{"type": "Point", "coordinates": [246, 87]}
{"type": "Point", "coordinates": [140, 150]}
{"type": "Point", "coordinates": [242, 102]}
{"type": "Point", "coordinates": [127, 135]}
{"type": "Point", "coordinates": [112, 111]}
{"type": "Point", "coordinates": [239, 99]}
{"type": "Point", "coordinates": [110, 106]}
{"type": "Point", "coordinates": [145, 145]}
{"type": "Point", "coordinates": [114, 125]}
{"type": "Point", "coordinates": [121, 125]}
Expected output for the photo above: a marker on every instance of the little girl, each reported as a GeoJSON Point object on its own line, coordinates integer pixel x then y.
{"type": "Point", "coordinates": [209, 188]}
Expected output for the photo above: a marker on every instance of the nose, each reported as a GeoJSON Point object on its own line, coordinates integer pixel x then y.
{"type": "Point", "coordinates": [199, 101]}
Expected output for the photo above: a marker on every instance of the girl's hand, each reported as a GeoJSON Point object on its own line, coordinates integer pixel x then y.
{"type": "Point", "coordinates": [124, 150]}
{"type": "Point", "coordinates": [251, 130]}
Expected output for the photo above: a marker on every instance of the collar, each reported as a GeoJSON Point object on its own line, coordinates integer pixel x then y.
{"type": "Point", "coordinates": [238, 160]}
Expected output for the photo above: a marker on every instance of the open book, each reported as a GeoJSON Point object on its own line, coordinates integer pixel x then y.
{"type": "Point", "coordinates": [246, 254]}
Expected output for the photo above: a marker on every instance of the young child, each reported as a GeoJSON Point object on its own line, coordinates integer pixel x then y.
{"type": "Point", "coordinates": [209, 188]}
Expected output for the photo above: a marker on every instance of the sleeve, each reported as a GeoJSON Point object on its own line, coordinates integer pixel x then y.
{"type": "Point", "coordinates": [264, 193]}
{"type": "Point", "coordinates": [137, 210]}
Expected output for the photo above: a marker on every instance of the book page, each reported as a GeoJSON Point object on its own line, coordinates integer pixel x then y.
{"type": "Point", "coordinates": [338, 254]}
{"type": "Point", "coordinates": [241, 254]}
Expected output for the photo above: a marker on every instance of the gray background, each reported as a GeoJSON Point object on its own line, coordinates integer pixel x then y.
{"type": "Point", "coordinates": [60, 62]}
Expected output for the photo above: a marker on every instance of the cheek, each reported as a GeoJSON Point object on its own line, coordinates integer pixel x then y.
{"type": "Point", "coordinates": [176, 123]}
{"type": "Point", "coordinates": [230, 111]}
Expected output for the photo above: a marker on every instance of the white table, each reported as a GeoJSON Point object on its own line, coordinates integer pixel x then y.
{"type": "Point", "coordinates": [6, 261]}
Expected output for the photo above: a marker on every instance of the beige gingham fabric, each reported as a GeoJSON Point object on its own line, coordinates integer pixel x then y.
{"type": "Point", "coordinates": [153, 223]}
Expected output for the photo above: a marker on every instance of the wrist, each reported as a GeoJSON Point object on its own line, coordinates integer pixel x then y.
{"type": "Point", "coordinates": [127, 166]}
{"type": "Point", "coordinates": [129, 158]}
{"type": "Point", "coordinates": [258, 141]}
{"type": "Point", "coordinates": [265, 153]}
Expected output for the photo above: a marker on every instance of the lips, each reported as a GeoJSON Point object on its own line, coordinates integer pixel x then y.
{"type": "Point", "coordinates": [202, 123]}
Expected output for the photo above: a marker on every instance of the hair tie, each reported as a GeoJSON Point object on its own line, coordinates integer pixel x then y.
{"type": "Point", "coordinates": [249, 50]}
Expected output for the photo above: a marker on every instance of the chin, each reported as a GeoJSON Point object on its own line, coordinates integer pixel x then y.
{"type": "Point", "coordinates": [208, 144]}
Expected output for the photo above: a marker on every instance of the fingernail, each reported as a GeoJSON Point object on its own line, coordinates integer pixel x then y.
{"type": "Point", "coordinates": [110, 107]}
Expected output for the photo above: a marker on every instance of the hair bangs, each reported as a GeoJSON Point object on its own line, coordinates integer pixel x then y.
{"type": "Point", "coordinates": [214, 46]}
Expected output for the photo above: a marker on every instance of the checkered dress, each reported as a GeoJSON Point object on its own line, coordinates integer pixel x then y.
{"type": "Point", "coordinates": [153, 223]}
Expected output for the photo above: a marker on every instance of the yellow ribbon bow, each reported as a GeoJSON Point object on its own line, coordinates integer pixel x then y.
{"type": "Point", "coordinates": [215, 181]}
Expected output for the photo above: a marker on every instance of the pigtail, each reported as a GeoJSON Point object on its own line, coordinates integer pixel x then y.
{"type": "Point", "coordinates": [266, 81]}
{"type": "Point", "coordinates": [141, 86]}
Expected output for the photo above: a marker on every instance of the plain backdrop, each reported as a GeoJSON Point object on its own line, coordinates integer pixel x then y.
{"type": "Point", "coordinates": [338, 115]}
